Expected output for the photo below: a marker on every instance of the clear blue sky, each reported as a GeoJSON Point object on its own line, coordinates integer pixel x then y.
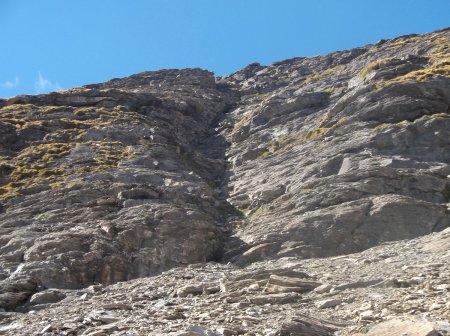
{"type": "Point", "coordinates": [53, 44]}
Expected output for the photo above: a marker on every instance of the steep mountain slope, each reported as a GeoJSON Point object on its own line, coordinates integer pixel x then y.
{"type": "Point", "coordinates": [338, 153]}
{"type": "Point", "coordinates": [98, 181]}
{"type": "Point", "coordinates": [305, 158]}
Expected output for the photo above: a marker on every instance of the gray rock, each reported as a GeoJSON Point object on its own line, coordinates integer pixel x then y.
{"type": "Point", "coordinates": [141, 183]}
{"type": "Point", "coordinates": [138, 193]}
{"type": "Point", "coordinates": [360, 284]}
{"type": "Point", "coordinates": [227, 332]}
{"type": "Point", "coordinates": [284, 298]}
{"type": "Point", "coordinates": [190, 290]}
{"type": "Point", "coordinates": [117, 305]}
{"type": "Point", "coordinates": [409, 327]}
{"type": "Point", "coordinates": [48, 296]}
{"type": "Point", "coordinates": [304, 325]}
{"type": "Point", "coordinates": [104, 317]}
{"type": "Point", "coordinates": [323, 289]}
{"type": "Point", "coordinates": [16, 291]}
{"type": "Point", "coordinates": [103, 218]}
{"type": "Point", "coordinates": [329, 303]}
{"type": "Point", "coordinates": [278, 283]}
{"type": "Point", "coordinates": [198, 330]}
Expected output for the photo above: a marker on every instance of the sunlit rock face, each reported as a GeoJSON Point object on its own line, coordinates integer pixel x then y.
{"type": "Point", "coordinates": [305, 158]}
{"type": "Point", "coordinates": [103, 184]}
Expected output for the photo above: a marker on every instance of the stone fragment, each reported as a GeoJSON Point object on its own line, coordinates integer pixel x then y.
{"type": "Point", "coordinates": [328, 303]}
{"type": "Point", "coordinates": [278, 283]}
{"type": "Point", "coordinates": [212, 289]}
{"type": "Point", "coordinates": [202, 331]}
{"type": "Point", "coordinates": [138, 193]}
{"type": "Point", "coordinates": [14, 291]}
{"type": "Point", "coordinates": [359, 284]}
{"type": "Point", "coordinates": [435, 306]}
{"type": "Point", "coordinates": [174, 316]}
{"type": "Point", "coordinates": [118, 306]}
{"type": "Point", "coordinates": [102, 316]}
{"type": "Point", "coordinates": [48, 296]}
{"type": "Point", "coordinates": [367, 315]}
{"type": "Point", "coordinates": [397, 327]}
{"type": "Point", "coordinates": [11, 300]}
{"type": "Point", "coordinates": [190, 290]}
{"type": "Point", "coordinates": [11, 328]}
{"type": "Point", "coordinates": [253, 287]}
{"type": "Point", "coordinates": [274, 298]}
{"type": "Point", "coordinates": [323, 289]}
{"type": "Point", "coordinates": [307, 326]}
{"type": "Point", "coordinates": [227, 332]}
{"type": "Point", "coordinates": [103, 330]}
{"type": "Point", "coordinates": [47, 328]}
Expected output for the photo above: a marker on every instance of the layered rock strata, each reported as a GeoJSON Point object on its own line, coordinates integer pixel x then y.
{"type": "Point", "coordinates": [305, 158]}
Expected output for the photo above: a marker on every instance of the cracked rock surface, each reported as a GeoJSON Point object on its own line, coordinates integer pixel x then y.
{"type": "Point", "coordinates": [307, 197]}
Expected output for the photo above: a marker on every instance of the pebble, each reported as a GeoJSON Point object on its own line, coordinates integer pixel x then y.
{"type": "Point", "coordinates": [323, 289]}
{"type": "Point", "coordinates": [328, 303]}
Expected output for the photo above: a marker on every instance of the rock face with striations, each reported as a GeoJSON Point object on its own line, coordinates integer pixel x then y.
{"type": "Point", "coordinates": [305, 158]}
{"type": "Point", "coordinates": [338, 153]}
{"type": "Point", "coordinates": [106, 184]}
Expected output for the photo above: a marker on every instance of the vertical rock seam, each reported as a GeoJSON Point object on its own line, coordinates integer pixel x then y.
{"type": "Point", "coordinates": [305, 158]}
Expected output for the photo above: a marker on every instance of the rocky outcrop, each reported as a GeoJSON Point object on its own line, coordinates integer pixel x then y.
{"type": "Point", "coordinates": [270, 166]}
{"type": "Point", "coordinates": [106, 185]}
{"type": "Point", "coordinates": [338, 153]}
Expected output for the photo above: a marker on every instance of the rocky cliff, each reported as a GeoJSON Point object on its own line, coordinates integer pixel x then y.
{"type": "Point", "coordinates": [247, 191]}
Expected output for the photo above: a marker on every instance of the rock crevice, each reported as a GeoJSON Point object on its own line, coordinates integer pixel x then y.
{"type": "Point", "coordinates": [302, 159]}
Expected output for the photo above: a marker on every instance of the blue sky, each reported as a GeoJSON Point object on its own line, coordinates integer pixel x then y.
{"type": "Point", "coordinates": [58, 44]}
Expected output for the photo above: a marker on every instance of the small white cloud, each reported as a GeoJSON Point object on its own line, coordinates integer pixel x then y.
{"type": "Point", "coordinates": [43, 85]}
{"type": "Point", "coordinates": [11, 84]}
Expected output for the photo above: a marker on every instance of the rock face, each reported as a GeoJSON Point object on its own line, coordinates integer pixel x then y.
{"type": "Point", "coordinates": [102, 185]}
{"type": "Point", "coordinates": [306, 158]}
{"type": "Point", "coordinates": [338, 153]}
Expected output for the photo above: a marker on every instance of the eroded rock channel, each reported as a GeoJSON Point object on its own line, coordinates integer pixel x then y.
{"type": "Point", "coordinates": [267, 171]}
{"type": "Point", "coordinates": [107, 184]}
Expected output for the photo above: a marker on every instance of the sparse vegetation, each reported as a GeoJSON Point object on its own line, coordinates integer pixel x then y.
{"type": "Point", "coordinates": [404, 123]}
{"type": "Point", "coordinates": [434, 115]}
{"type": "Point", "coordinates": [55, 109]}
{"type": "Point", "coordinates": [260, 211]}
{"type": "Point", "coordinates": [402, 42]}
{"type": "Point", "coordinates": [323, 120]}
{"type": "Point", "coordinates": [441, 49]}
{"type": "Point", "coordinates": [276, 145]}
{"type": "Point", "coordinates": [245, 119]}
{"type": "Point", "coordinates": [385, 125]}
{"type": "Point", "coordinates": [373, 66]}
{"type": "Point", "coordinates": [323, 74]}
{"type": "Point", "coordinates": [369, 68]}
{"type": "Point", "coordinates": [439, 69]}
{"type": "Point", "coordinates": [18, 108]}
{"type": "Point", "coordinates": [44, 162]}
{"type": "Point", "coordinates": [315, 134]}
